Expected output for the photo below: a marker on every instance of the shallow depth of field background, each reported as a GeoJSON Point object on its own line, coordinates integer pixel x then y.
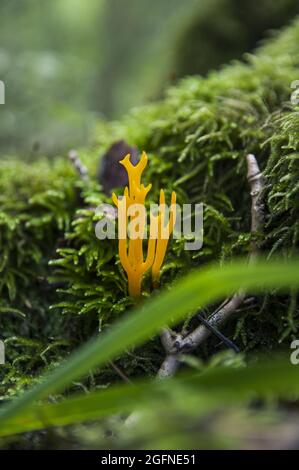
{"type": "Point", "coordinates": [68, 63]}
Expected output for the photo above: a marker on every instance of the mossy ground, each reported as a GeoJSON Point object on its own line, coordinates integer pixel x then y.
{"type": "Point", "coordinates": [197, 139]}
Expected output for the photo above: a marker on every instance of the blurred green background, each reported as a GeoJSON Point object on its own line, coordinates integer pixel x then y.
{"type": "Point", "coordinates": [68, 63]}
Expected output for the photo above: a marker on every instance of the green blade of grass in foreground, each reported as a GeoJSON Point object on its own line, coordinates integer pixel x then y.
{"type": "Point", "coordinates": [220, 385]}
{"type": "Point", "coordinates": [194, 291]}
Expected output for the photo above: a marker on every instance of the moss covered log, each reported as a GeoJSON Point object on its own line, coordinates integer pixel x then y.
{"type": "Point", "coordinates": [59, 284]}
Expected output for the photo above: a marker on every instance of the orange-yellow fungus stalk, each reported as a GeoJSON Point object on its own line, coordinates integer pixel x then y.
{"type": "Point", "coordinates": [131, 251]}
{"type": "Point", "coordinates": [164, 232]}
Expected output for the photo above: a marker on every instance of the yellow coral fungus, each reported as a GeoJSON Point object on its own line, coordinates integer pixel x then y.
{"type": "Point", "coordinates": [129, 208]}
{"type": "Point", "coordinates": [163, 234]}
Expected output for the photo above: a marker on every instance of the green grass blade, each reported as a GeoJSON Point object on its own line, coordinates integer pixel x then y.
{"type": "Point", "coordinates": [195, 290]}
{"type": "Point", "coordinates": [221, 385]}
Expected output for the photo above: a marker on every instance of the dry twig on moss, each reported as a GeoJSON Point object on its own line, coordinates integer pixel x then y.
{"type": "Point", "coordinates": [176, 343]}
{"type": "Point", "coordinates": [80, 168]}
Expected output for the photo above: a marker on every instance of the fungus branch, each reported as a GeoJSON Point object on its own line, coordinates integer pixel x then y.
{"type": "Point", "coordinates": [132, 208]}
{"type": "Point", "coordinates": [176, 344]}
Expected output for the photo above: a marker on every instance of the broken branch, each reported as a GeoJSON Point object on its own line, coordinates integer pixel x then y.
{"type": "Point", "coordinates": [175, 345]}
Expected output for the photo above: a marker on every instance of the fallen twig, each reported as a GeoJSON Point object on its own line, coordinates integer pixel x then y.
{"type": "Point", "coordinates": [120, 372]}
{"type": "Point", "coordinates": [175, 343]}
{"type": "Point", "coordinates": [80, 168]}
{"type": "Point", "coordinates": [218, 333]}
{"type": "Point", "coordinates": [255, 179]}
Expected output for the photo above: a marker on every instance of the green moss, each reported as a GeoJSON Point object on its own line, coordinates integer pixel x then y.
{"type": "Point", "coordinates": [37, 205]}
{"type": "Point", "coordinates": [197, 138]}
